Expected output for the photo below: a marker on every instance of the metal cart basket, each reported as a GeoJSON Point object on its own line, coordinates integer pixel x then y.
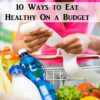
{"type": "Point", "coordinates": [62, 77]}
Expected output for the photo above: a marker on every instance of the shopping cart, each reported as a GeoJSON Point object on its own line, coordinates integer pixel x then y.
{"type": "Point", "coordinates": [62, 78]}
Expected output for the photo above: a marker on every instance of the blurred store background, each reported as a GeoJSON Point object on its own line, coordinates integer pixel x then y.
{"type": "Point", "coordinates": [8, 30]}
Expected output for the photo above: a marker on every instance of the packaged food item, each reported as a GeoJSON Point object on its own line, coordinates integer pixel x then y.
{"type": "Point", "coordinates": [8, 54]}
{"type": "Point", "coordinates": [34, 70]}
{"type": "Point", "coordinates": [22, 85]}
{"type": "Point", "coordinates": [9, 59]}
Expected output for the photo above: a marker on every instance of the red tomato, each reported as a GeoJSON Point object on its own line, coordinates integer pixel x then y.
{"type": "Point", "coordinates": [89, 89]}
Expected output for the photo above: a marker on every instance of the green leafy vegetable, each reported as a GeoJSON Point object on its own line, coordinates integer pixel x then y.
{"type": "Point", "coordinates": [7, 64]}
{"type": "Point", "coordinates": [68, 93]}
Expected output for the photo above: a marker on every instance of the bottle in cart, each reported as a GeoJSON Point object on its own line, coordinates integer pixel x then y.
{"type": "Point", "coordinates": [22, 85]}
{"type": "Point", "coordinates": [46, 89]}
{"type": "Point", "coordinates": [34, 70]}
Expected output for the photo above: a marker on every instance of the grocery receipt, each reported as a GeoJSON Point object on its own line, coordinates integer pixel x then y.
{"type": "Point", "coordinates": [69, 60]}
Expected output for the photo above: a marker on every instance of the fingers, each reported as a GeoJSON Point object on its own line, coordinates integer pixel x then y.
{"type": "Point", "coordinates": [37, 42]}
{"type": "Point", "coordinates": [39, 30]}
{"type": "Point", "coordinates": [75, 50]}
{"type": "Point", "coordinates": [73, 45]}
{"type": "Point", "coordinates": [31, 38]}
{"type": "Point", "coordinates": [66, 42]}
{"type": "Point", "coordinates": [38, 35]}
{"type": "Point", "coordinates": [34, 48]}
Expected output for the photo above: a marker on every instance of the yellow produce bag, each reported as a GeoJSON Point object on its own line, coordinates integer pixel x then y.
{"type": "Point", "coordinates": [5, 82]}
{"type": "Point", "coordinates": [1, 84]}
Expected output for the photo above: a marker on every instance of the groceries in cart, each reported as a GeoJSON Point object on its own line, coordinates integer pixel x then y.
{"type": "Point", "coordinates": [28, 80]}
{"type": "Point", "coordinates": [85, 91]}
{"type": "Point", "coordinates": [34, 71]}
{"type": "Point", "coordinates": [22, 85]}
{"type": "Point", "coordinates": [9, 59]}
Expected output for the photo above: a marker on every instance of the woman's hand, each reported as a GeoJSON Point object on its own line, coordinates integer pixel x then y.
{"type": "Point", "coordinates": [36, 39]}
{"type": "Point", "coordinates": [75, 44]}
{"type": "Point", "coordinates": [32, 41]}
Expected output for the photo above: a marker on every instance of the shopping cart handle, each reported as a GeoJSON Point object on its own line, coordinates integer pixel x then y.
{"type": "Point", "coordinates": [59, 57]}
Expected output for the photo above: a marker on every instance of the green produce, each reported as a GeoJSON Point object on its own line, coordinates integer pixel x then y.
{"type": "Point", "coordinates": [7, 64]}
{"type": "Point", "coordinates": [5, 84]}
{"type": "Point", "coordinates": [68, 93]}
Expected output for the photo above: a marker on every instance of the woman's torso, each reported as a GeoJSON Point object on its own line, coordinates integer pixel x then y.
{"type": "Point", "coordinates": [63, 31]}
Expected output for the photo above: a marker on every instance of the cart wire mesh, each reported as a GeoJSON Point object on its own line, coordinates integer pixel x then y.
{"type": "Point", "coordinates": [57, 75]}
